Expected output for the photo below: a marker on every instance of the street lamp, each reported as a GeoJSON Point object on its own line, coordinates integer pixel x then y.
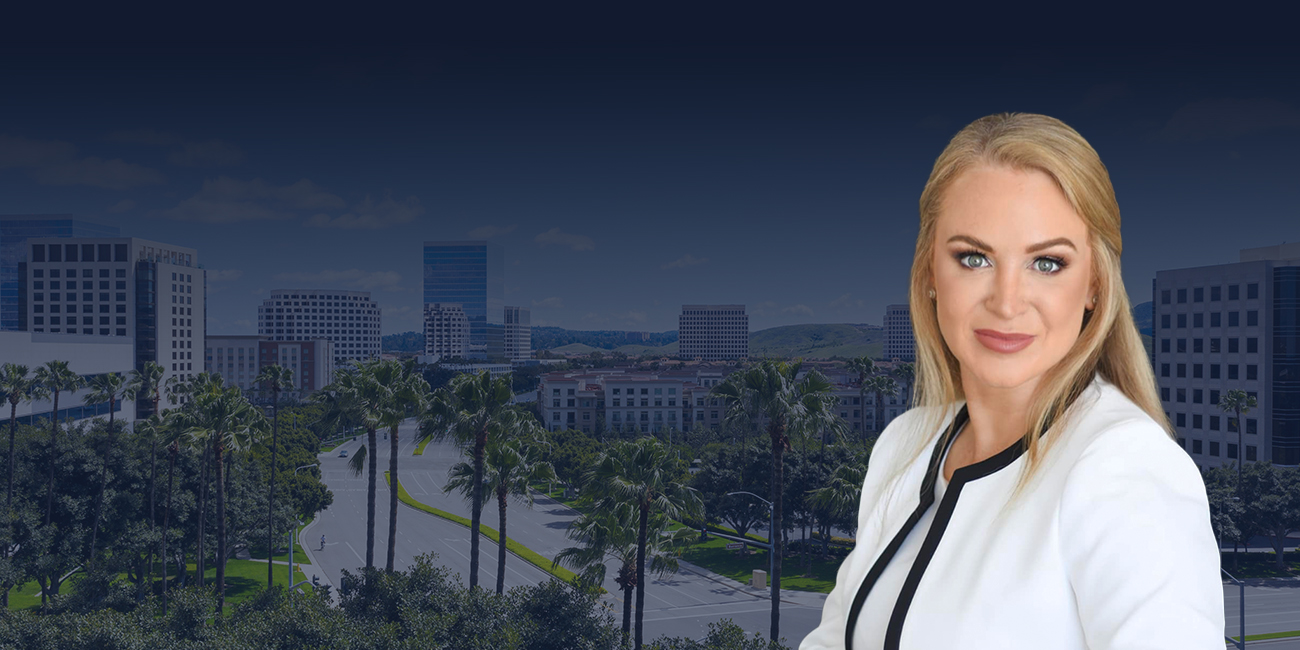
{"type": "Point", "coordinates": [771, 530]}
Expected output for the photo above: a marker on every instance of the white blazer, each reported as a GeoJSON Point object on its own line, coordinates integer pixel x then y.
{"type": "Point", "coordinates": [1110, 549]}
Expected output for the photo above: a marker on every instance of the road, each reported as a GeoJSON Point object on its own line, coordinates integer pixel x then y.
{"type": "Point", "coordinates": [679, 605]}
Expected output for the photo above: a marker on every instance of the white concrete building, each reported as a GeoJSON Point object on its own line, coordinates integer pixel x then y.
{"type": "Point", "coordinates": [144, 292]}
{"type": "Point", "coordinates": [446, 330]}
{"type": "Point", "coordinates": [238, 359]}
{"type": "Point", "coordinates": [347, 318]}
{"type": "Point", "coordinates": [900, 342]}
{"type": "Point", "coordinates": [713, 332]}
{"type": "Point", "coordinates": [87, 355]}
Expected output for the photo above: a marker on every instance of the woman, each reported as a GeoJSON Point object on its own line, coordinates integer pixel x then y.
{"type": "Point", "coordinates": [1035, 496]}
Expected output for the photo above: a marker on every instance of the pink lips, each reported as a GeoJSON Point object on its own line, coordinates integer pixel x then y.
{"type": "Point", "coordinates": [1002, 342]}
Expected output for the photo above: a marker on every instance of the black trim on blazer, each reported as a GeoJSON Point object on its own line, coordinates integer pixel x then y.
{"type": "Point", "coordinates": [949, 503]}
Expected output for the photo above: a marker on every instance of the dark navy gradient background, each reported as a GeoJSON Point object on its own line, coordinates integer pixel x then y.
{"type": "Point", "coordinates": [623, 177]}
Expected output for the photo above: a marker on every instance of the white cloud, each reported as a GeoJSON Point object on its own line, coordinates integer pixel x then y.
{"type": "Point", "coordinates": [349, 279]}
{"type": "Point", "coordinates": [847, 301]}
{"type": "Point", "coordinates": [224, 275]}
{"type": "Point", "coordinates": [213, 153]}
{"type": "Point", "coordinates": [369, 215]}
{"type": "Point", "coordinates": [122, 206]}
{"type": "Point", "coordinates": [19, 152]}
{"type": "Point", "coordinates": [549, 303]}
{"type": "Point", "coordinates": [488, 232]}
{"type": "Point", "coordinates": [56, 163]}
{"type": "Point", "coordinates": [575, 242]}
{"type": "Point", "coordinates": [228, 200]}
{"type": "Point", "coordinates": [685, 261]}
{"type": "Point", "coordinates": [631, 316]}
{"type": "Point", "coordinates": [798, 309]}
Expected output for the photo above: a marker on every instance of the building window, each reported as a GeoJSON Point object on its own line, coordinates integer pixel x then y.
{"type": "Point", "coordinates": [1196, 446]}
{"type": "Point", "coordinates": [1252, 290]}
{"type": "Point", "coordinates": [1250, 452]}
{"type": "Point", "coordinates": [1215, 296]}
{"type": "Point", "coordinates": [1252, 317]}
{"type": "Point", "coordinates": [1198, 294]}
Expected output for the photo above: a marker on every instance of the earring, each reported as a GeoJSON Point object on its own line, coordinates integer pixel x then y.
{"type": "Point", "coordinates": [932, 294]}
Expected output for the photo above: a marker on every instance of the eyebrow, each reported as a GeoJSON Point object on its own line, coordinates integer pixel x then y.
{"type": "Point", "coordinates": [1034, 248]}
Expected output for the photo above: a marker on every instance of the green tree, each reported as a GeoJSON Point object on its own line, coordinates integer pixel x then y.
{"type": "Point", "coordinates": [787, 406]}
{"type": "Point", "coordinates": [356, 396]}
{"type": "Point", "coordinates": [406, 394]}
{"type": "Point", "coordinates": [470, 410]}
{"type": "Point", "coordinates": [145, 383]}
{"type": "Point", "coordinates": [274, 378]}
{"type": "Point", "coordinates": [865, 367]}
{"type": "Point", "coordinates": [226, 421]}
{"type": "Point", "coordinates": [106, 388]}
{"type": "Point", "coordinates": [16, 388]}
{"type": "Point", "coordinates": [53, 379]}
{"type": "Point", "coordinates": [511, 466]}
{"type": "Point", "coordinates": [642, 473]}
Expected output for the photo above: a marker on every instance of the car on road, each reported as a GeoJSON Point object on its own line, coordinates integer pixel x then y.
{"type": "Point", "coordinates": [343, 454]}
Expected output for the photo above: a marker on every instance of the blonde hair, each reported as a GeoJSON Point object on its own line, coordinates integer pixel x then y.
{"type": "Point", "coordinates": [1109, 342]}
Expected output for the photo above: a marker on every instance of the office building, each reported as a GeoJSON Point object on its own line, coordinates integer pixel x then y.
{"type": "Point", "coordinates": [446, 330]}
{"type": "Point", "coordinates": [713, 332]}
{"type": "Point", "coordinates": [349, 319]}
{"type": "Point", "coordinates": [86, 354]}
{"type": "Point", "coordinates": [471, 274]}
{"type": "Point", "coordinates": [900, 341]}
{"type": "Point", "coordinates": [519, 333]}
{"type": "Point", "coordinates": [124, 288]}
{"type": "Point", "coordinates": [15, 230]}
{"type": "Point", "coordinates": [239, 359]}
{"type": "Point", "coordinates": [1231, 326]}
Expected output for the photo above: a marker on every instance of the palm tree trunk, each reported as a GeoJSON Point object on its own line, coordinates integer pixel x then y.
{"type": "Point", "coordinates": [640, 569]}
{"type": "Point", "coordinates": [221, 529]}
{"type": "Point", "coordinates": [392, 498]}
{"type": "Point", "coordinates": [103, 485]}
{"type": "Point", "coordinates": [203, 515]}
{"type": "Point", "coordinates": [862, 398]}
{"type": "Point", "coordinates": [476, 507]}
{"type": "Point", "coordinates": [627, 610]}
{"type": "Point", "coordinates": [501, 540]}
{"type": "Point", "coordinates": [778, 451]}
{"type": "Point", "coordinates": [171, 466]}
{"type": "Point", "coordinates": [54, 441]}
{"type": "Point", "coordinates": [370, 499]}
{"type": "Point", "coordinates": [270, 502]}
{"type": "Point", "coordinates": [153, 471]}
{"type": "Point", "coordinates": [9, 498]}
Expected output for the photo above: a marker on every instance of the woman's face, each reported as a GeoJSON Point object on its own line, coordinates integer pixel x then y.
{"type": "Point", "coordinates": [986, 278]}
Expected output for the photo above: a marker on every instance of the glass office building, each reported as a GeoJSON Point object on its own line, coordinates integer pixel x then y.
{"type": "Point", "coordinates": [471, 273]}
{"type": "Point", "coordinates": [15, 230]}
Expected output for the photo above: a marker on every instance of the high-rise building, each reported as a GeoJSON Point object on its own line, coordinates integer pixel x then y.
{"type": "Point", "coordinates": [234, 358]}
{"type": "Point", "coordinates": [347, 318]}
{"type": "Point", "coordinates": [900, 342]}
{"type": "Point", "coordinates": [446, 330]}
{"type": "Point", "coordinates": [519, 333]}
{"type": "Point", "coordinates": [1231, 326]}
{"type": "Point", "coordinates": [713, 332]}
{"type": "Point", "coordinates": [472, 274]}
{"type": "Point", "coordinates": [147, 292]}
{"type": "Point", "coordinates": [15, 230]}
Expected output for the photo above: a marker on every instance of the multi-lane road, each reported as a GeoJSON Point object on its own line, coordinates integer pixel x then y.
{"type": "Point", "coordinates": [680, 605]}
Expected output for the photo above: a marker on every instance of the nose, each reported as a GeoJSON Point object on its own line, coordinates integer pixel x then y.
{"type": "Point", "coordinates": [1007, 297]}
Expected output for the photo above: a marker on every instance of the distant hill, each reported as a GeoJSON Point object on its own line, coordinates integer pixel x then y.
{"type": "Point", "coordinates": [404, 342]}
{"type": "Point", "coordinates": [817, 341]}
{"type": "Point", "coordinates": [550, 338]}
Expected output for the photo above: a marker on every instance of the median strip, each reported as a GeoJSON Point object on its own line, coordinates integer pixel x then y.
{"type": "Point", "coordinates": [523, 552]}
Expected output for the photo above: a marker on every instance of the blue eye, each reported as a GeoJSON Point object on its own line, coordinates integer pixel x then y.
{"type": "Point", "coordinates": [1060, 263]}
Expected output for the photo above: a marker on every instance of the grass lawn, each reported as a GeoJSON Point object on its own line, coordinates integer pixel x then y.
{"type": "Point", "coordinates": [299, 556]}
{"type": "Point", "coordinates": [714, 556]}
{"type": "Point", "coordinates": [243, 579]}
{"type": "Point", "coordinates": [419, 449]}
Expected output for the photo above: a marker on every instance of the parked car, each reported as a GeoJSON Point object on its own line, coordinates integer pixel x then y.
{"type": "Point", "coordinates": [343, 454]}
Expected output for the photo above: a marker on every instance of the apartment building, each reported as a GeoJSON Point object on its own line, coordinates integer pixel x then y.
{"type": "Point", "coordinates": [713, 332]}
{"type": "Point", "coordinates": [350, 320]}
{"type": "Point", "coordinates": [446, 331]}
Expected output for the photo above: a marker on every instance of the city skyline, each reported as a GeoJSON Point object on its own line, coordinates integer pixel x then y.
{"type": "Point", "coordinates": [747, 175]}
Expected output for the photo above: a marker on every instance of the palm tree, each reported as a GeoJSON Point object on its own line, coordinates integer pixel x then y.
{"type": "Point", "coordinates": [15, 387]}
{"type": "Point", "coordinates": [226, 421]}
{"type": "Point", "coordinates": [790, 406]}
{"type": "Point", "coordinates": [469, 410]}
{"type": "Point", "coordinates": [406, 395]}
{"type": "Point", "coordinates": [169, 426]}
{"type": "Point", "coordinates": [105, 388]}
{"type": "Point", "coordinates": [879, 387]}
{"type": "Point", "coordinates": [1237, 401]}
{"type": "Point", "coordinates": [642, 473]}
{"type": "Point", "coordinates": [275, 378]}
{"type": "Point", "coordinates": [356, 395]}
{"type": "Point", "coordinates": [841, 495]}
{"type": "Point", "coordinates": [53, 379]}
{"type": "Point", "coordinates": [865, 367]}
{"type": "Point", "coordinates": [145, 383]}
{"type": "Point", "coordinates": [511, 466]}
{"type": "Point", "coordinates": [611, 534]}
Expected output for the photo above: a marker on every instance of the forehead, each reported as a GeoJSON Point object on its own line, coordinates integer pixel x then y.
{"type": "Point", "coordinates": [1008, 207]}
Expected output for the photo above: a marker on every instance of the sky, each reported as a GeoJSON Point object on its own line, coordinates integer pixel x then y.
{"type": "Point", "coordinates": [623, 178]}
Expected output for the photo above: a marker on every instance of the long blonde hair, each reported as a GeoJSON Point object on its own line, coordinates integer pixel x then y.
{"type": "Point", "coordinates": [1109, 342]}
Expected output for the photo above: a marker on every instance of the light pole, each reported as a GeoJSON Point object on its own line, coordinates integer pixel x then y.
{"type": "Point", "coordinates": [292, 533]}
{"type": "Point", "coordinates": [771, 530]}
